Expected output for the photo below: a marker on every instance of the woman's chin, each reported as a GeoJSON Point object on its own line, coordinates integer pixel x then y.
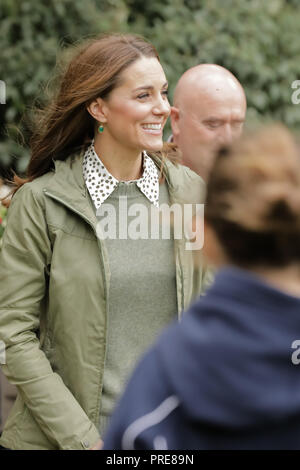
{"type": "Point", "coordinates": [154, 147]}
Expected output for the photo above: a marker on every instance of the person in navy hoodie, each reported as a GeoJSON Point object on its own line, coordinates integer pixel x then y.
{"type": "Point", "coordinates": [227, 376]}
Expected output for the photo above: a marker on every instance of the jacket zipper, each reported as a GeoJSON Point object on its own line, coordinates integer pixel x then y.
{"type": "Point", "coordinates": [105, 281]}
{"type": "Point", "coordinates": [178, 253]}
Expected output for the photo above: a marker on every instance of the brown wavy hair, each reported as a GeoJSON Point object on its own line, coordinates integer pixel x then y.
{"type": "Point", "coordinates": [64, 125]}
{"type": "Point", "coordinates": [253, 199]}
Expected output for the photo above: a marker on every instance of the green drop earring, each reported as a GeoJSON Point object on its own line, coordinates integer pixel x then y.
{"type": "Point", "coordinates": [101, 128]}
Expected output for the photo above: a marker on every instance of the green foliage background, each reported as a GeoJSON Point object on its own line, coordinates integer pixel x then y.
{"type": "Point", "coordinates": [258, 40]}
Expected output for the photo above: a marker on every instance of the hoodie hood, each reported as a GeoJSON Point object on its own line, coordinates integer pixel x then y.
{"type": "Point", "coordinates": [230, 362]}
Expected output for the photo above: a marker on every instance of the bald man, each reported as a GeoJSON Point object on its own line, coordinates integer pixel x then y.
{"type": "Point", "coordinates": [208, 111]}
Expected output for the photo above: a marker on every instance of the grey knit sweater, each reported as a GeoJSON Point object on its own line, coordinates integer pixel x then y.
{"type": "Point", "coordinates": [142, 296]}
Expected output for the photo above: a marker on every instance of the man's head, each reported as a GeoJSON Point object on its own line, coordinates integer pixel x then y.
{"type": "Point", "coordinates": [209, 111]}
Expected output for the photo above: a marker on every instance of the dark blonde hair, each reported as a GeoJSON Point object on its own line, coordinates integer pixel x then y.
{"type": "Point", "coordinates": [65, 125]}
{"type": "Point", "coordinates": [253, 199]}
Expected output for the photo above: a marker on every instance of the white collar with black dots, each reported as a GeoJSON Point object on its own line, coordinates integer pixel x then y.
{"type": "Point", "coordinates": [101, 183]}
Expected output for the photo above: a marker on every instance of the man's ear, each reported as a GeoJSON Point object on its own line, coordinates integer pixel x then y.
{"type": "Point", "coordinates": [98, 110]}
{"type": "Point", "coordinates": [174, 116]}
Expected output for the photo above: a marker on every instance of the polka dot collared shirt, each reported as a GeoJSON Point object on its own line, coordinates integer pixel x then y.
{"type": "Point", "coordinates": [101, 183]}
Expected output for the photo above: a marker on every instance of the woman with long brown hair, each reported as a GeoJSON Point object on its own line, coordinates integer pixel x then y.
{"type": "Point", "coordinates": [80, 299]}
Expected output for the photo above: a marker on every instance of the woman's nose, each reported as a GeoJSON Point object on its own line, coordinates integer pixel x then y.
{"type": "Point", "coordinates": [162, 106]}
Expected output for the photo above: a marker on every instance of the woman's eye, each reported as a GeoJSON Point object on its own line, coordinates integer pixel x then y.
{"type": "Point", "coordinates": [144, 95]}
{"type": "Point", "coordinates": [166, 92]}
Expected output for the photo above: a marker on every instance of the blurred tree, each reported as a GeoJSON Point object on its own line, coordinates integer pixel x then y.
{"type": "Point", "coordinates": [32, 33]}
{"type": "Point", "coordinates": [257, 41]}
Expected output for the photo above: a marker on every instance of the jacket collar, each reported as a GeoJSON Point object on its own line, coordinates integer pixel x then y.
{"type": "Point", "coordinates": [67, 185]}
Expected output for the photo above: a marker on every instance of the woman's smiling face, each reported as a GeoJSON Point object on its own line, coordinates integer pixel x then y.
{"type": "Point", "coordinates": [137, 110]}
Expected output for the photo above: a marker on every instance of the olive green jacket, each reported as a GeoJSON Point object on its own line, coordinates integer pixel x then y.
{"type": "Point", "coordinates": [54, 285]}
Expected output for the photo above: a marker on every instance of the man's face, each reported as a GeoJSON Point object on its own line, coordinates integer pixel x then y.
{"type": "Point", "coordinates": [206, 121]}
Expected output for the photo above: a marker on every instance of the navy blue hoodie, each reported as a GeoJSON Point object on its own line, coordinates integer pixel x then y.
{"type": "Point", "coordinates": [226, 377]}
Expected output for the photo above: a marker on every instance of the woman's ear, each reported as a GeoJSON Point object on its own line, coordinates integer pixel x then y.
{"type": "Point", "coordinates": [98, 110]}
{"type": "Point", "coordinates": [212, 249]}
